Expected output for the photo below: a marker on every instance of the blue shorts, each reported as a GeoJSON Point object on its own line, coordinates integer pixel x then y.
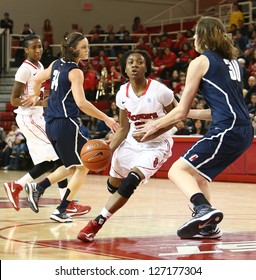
{"type": "Point", "coordinates": [66, 139]}
{"type": "Point", "coordinates": [218, 149]}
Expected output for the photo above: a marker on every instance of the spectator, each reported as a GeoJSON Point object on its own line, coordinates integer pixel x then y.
{"type": "Point", "coordinates": [27, 30]}
{"type": "Point", "coordinates": [185, 56]}
{"type": "Point", "coordinates": [252, 105]}
{"type": "Point", "coordinates": [10, 142]}
{"type": "Point", "coordinates": [121, 33]}
{"type": "Point", "coordinates": [113, 110]}
{"type": "Point", "coordinates": [251, 90]}
{"type": "Point", "coordinates": [111, 50]}
{"type": "Point", "coordinates": [92, 126]}
{"type": "Point", "coordinates": [142, 45]}
{"type": "Point", "coordinates": [181, 128]}
{"type": "Point", "coordinates": [136, 23]}
{"type": "Point", "coordinates": [166, 41]}
{"type": "Point", "coordinates": [235, 15]}
{"type": "Point", "coordinates": [7, 23]}
{"type": "Point", "coordinates": [100, 61]}
{"type": "Point", "coordinates": [90, 82]}
{"type": "Point", "coordinates": [47, 56]}
{"type": "Point", "coordinates": [177, 45]}
{"type": "Point", "coordinates": [2, 144]}
{"type": "Point", "coordinates": [48, 31]}
{"type": "Point", "coordinates": [246, 73]}
{"type": "Point", "coordinates": [198, 128]}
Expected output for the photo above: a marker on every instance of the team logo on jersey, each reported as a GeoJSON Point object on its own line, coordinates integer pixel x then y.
{"type": "Point", "coordinates": [155, 163]}
{"type": "Point", "coordinates": [193, 157]}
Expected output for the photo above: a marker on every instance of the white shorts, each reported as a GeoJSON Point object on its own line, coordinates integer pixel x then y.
{"type": "Point", "coordinates": [148, 158]}
{"type": "Point", "coordinates": [33, 129]}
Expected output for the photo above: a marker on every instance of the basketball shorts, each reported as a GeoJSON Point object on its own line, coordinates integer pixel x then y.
{"type": "Point", "coordinates": [218, 149]}
{"type": "Point", "coordinates": [148, 158]}
{"type": "Point", "coordinates": [39, 146]}
{"type": "Point", "coordinates": [67, 140]}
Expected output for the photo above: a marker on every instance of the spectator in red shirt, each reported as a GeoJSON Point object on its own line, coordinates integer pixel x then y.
{"type": "Point", "coordinates": [90, 82]}
{"type": "Point", "coordinates": [166, 41]}
{"type": "Point", "coordinates": [186, 54]}
{"type": "Point", "coordinates": [100, 61]}
{"type": "Point", "coordinates": [177, 45]}
{"type": "Point", "coordinates": [169, 62]}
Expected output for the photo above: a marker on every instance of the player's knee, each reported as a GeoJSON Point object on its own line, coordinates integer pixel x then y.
{"type": "Point", "coordinates": [129, 184]}
{"type": "Point", "coordinates": [110, 187]}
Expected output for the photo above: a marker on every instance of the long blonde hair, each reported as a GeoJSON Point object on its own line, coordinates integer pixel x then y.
{"type": "Point", "coordinates": [211, 35]}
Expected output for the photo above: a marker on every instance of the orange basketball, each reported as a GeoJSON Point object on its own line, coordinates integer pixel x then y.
{"type": "Point", "coordinates": [96, 155]}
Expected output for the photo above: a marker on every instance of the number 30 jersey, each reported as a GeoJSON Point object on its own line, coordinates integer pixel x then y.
{"type": "Point", "coordinates": [224, 98]}
{"type": "Point", "coordinates": [61, 103]}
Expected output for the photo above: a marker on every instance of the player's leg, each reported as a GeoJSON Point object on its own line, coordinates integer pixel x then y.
{"type": "Point", "coordinates": [117, 200]}
{"type": "Point", "coordinates": [204, 214]}
{"type": "Point", "coordinates": [72, 189]}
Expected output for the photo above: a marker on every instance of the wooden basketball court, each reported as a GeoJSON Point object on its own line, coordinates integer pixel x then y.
{"type": "Point", "coordinates": [145, 229]}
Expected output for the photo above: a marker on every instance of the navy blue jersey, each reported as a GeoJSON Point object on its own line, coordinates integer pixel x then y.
{"type": "Point", "coordinates": [231, 131]}
{"type": "Point", "coordinates": [221, 87]}
{"type": "Point", "coordinates": [61, 103]}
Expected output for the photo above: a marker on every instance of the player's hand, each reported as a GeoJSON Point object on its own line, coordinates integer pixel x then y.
{"type": "Point", "coordinates": [29, 101]}
{"type": "Point", "coordinates": [112, 124]}
{"type": "Point", "coordinates": [147, 128]}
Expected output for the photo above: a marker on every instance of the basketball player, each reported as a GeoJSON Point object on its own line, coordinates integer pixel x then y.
{"type": "Point", "coordinates": [32, 125]}
{"type": "Point", "coordinates": [134, 162]}
{"type": "Point", "coordinates": [217, 73]}
{"type": "Point", "coordinates": [66, 98]}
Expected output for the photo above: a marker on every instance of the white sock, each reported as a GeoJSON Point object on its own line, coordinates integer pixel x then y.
{"type": "Point", "coordinates": [24, 180]}
{"type": "Point", "coordinates": [104, 213]}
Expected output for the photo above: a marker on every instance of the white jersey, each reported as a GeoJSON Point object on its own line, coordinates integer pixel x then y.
{"type": "Point", "coordinates": [147, 156]}
{"type": "Point", "coordinates": [148, 106]}
{"type": "Point", "coordinates": [25, 75]}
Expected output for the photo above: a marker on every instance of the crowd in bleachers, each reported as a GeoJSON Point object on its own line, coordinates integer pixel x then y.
{"type": "Point", "coordinates": [170, 59]}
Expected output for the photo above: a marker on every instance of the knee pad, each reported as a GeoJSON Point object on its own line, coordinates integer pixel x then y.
{"type": "Point", "coordinates": [39, 169]}
{"type": "Point", "coordinates": [129, 185]}
{"type": "Point", "coordinates": [111, 188]}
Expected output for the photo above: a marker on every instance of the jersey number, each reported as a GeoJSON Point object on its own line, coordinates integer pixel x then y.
{"type": "Point", "coordinates": [55, 79]}
{"type": "Point", "coordinates": [234, 72]}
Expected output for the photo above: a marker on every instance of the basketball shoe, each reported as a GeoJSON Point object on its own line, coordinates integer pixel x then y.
{"type": "Point", "coordinates": [75, 209]}
{"type": "Point", "coordinates": [203, 215]}
{"type": "Point", "coordinates": [60, 217]}
{"type": "Point", "coordinates": [33, 196]}
{"type": "Point", "coordinates": [12, 190]}
{"type": "Point", "coordinates": [89, 231]}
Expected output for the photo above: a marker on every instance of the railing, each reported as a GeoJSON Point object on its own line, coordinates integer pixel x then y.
{"type": "Point", "coordinates": [4, 50]}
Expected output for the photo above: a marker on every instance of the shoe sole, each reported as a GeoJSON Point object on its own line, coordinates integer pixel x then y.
{"type": "Point", "coordinates": [192, 227]}
{"type": "Point", "coordinates": [57, 219]}
{"type": "Point", "coordinates": [213, 236]}
{"type": "Point", "coordinates": [30, 200]}
{"type": "Point", "coordinates": [10, 197]}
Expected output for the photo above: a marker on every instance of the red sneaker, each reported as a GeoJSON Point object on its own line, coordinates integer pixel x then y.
{"type": "Point", "coordinates": [75, 209]}
{"type": "Point", "coordinates": [88, 232]}
{"type": "Point", "coordinates": [12, 190]}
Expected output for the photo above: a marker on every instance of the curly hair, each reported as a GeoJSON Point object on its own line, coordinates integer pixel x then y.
{"type": "Point", "coordinates": [144, 54]}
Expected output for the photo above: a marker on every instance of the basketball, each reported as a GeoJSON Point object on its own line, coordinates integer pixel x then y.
{"type": "Point", "coordinates": [96, 155]}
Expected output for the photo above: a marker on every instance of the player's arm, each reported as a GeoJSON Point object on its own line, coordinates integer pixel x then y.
{"type": "Point", "coordinates": [138, 136]}
{"type": "Point", "coordinates": [200, 114]}
{"type": "Point", "coordinates": [17, 90]}
{"type": "Point", "coordinates": [76, 78]}
{"type": "Point", "coordinates": [122, 132]}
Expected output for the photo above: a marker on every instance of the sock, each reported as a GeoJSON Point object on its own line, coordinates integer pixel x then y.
{"type": "Point", "coordinates": [43, 185]}
{"type": "Point", "coordinates": [64, 203]}
{"type": "Point", "coordinates": [24, 180]}
{"type": "Point", "coordinates": [104, 215]}
{"type": "Point", "coordinates": [198, 199]}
